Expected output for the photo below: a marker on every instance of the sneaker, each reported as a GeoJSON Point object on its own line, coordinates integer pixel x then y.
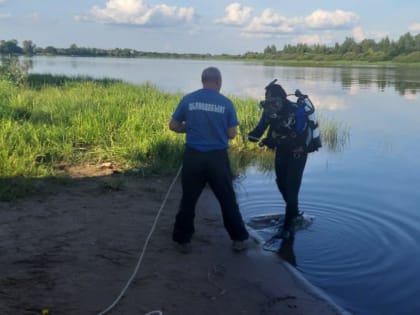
{"type": "Point", "coordinates": [183, 248]}
{"type": "Point", "coordinates": [239, 246]}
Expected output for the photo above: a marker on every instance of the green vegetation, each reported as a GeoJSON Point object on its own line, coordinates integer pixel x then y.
{"type": "Point", "coordinates": [335, 135]}
{"type": "Point", "coordinates": [14, 71]}
{"type": "Point", "coordinates": [84, 122]}
{"type": "Point", "coordinates": [50, 123]}
{"type": "Point", "coordinates": [406, 50]}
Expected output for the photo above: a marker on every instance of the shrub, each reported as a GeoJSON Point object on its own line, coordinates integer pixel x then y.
{"type": "Point", "coordinates": [11, 69]}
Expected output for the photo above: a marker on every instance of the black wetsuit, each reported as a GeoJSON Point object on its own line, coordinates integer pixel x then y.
{"type": "Point", "coordinates": [286, 135]}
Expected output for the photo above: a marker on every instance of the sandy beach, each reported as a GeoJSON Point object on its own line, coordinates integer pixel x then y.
{"type": "Point", "coordinates": [73, 247]}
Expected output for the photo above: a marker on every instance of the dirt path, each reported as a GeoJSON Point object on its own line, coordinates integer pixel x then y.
{"type": "Point", "coordinates": [73, 249]}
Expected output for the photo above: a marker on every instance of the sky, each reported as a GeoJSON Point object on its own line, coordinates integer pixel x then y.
{"type": "Point", "coordinates": [200, 26]}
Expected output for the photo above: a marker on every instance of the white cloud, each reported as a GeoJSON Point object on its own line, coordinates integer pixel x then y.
{"type": "Point", "coordinates": [359, 34]}
{"type": "Point", "coordinates": [325, 19]}
{"type": "Point", "coordinates": [266, 25]}
{"type": "Point", "coordinates": [313, 39]}
{"type": "Point", "coordinates": [272, 24]}
{"type": "Point", "coordinates": [3, 1]}
{"type": "Point", "coordinates": [138, 12]}
{"type": "Point", "coordinates": [268, 17]}
{"type": "Point", "coordinates": [415, 28]}
{"type": "Point", "coordinates": [235, 14]}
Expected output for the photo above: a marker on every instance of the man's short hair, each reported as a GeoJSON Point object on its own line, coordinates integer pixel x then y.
{"type": "Point", "coordinates": [211, 74]}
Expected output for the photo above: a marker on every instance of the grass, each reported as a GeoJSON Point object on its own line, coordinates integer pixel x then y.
{"type": "Point", "coordinates": [80, 122]}
{"type": "Point", "coordinates": [335, 135]}
{"type": "Point", "coordinates": [53, 122]}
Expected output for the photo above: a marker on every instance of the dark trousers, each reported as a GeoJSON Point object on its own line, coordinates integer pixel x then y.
{"type": "Point", "coordinates": [199, 169]}
{"type": "Point", "coordinates": [289, 169]}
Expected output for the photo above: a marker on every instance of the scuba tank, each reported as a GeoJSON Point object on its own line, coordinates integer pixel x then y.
{"type": "Point", "coordinates": [289, 122]}
{"type": "Point", "coordinates": [313, 139]}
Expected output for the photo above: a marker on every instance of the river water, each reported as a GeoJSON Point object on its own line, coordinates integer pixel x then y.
{"type": "Point", "coordinates": [362, 248]}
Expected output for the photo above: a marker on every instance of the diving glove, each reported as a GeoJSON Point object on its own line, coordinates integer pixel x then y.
{"type": "Point", "coordinates": [268, 142]}
{"type": "Point", "coordinates": [254, 136]}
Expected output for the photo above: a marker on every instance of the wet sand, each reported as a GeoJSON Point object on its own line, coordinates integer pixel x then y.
{"type": "Point", "coordinates": [72, 249]}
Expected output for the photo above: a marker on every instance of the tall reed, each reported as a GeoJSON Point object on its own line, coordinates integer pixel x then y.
{"type": "Point", "coordinates": [73, 122]}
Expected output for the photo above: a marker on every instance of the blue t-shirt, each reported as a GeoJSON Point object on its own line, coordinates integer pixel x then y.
{"type": "Point", "coordinates": [207, 115]}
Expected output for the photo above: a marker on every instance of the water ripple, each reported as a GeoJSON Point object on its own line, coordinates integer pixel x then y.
{"type": "Point", "coordinates": [354, 239]}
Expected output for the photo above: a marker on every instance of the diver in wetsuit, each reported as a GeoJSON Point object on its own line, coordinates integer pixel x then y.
{"type": "Point", "coordinates": [288, 134]}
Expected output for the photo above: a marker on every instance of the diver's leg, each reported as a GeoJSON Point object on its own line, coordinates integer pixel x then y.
{"type": "Point", "coordinates": [296, 166]}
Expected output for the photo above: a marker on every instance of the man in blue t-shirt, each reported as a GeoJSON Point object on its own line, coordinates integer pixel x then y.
{"type": "Point", "coordinates": [209, 120]}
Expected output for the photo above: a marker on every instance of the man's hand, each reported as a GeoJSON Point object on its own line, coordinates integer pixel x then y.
{"type": "Point", "coordinates": [232, 132]}
{"type": "Point", "coordinates": [177, 126]}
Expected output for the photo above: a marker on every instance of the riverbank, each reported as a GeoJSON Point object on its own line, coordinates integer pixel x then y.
{"type": "Point", "coordinates": [72, 249]}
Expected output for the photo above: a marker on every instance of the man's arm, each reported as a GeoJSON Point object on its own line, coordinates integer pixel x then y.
{"type": "Point", "coordinates": [232, 132]}
{"type": "Point", "coordinates": [177, 126]}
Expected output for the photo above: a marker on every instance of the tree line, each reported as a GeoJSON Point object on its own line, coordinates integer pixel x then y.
{"type": "Point", "coordinates": [405, 49]}
{"type": "Point", "coordinates": [28, 48]}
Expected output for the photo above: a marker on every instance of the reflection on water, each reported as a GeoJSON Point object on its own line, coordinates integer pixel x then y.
{"type": "Point", "coordinates": [361, 244]}
{"type": "Point", "coordinates": [286, 250]}
{"type": "Point", "coordinates": [403, 79]}
{"type": "Point", "coordinates": [362, 248]}
{"type": "Point", "coordinates": [242, 79]}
